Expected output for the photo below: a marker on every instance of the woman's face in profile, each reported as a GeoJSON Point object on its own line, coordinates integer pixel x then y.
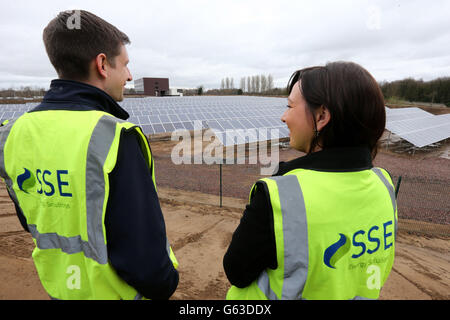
{"type": "Point", "coordinates": [298, 120]}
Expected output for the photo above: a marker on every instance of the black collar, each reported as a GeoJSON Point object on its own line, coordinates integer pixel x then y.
{"type": "Point", "coordinates": [74, 95]}
{"type": "Point", "coordinates": [344, 159]}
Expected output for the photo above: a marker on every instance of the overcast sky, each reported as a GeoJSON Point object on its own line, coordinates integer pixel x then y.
{"type": "Point", "coordinates": [200, 42]}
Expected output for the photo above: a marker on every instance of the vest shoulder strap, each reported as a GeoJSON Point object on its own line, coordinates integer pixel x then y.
{"type": "Point", "coordinates": [291, 236]}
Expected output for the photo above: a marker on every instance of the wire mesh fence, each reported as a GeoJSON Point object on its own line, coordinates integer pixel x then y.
{"type": "Point", "coordinates": [424, 204]}
{"type": "Point", "coordinates": [423, 197]}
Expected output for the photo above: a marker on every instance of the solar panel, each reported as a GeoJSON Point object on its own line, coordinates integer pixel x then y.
{"type": "Point", "coordinates": [401, 114]}
{"type": "Point", "coordinates": [11, 111]}
{"type": "Point", "coordinates": [417, 126]}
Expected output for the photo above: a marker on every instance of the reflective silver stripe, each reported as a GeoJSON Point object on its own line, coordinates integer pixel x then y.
{"type": "Point", "coordinates": [264, 285]}
{"type": "Point", "coordinates": [295, 234]}
{"type": "Point", "coordinates": [99, 145]}
{"type": "Point", "coordinates": [391, 194]}
{"type": "Point", "coordinates": [361, 298]}
{"type": "Point", "coordinates": [138, 296]}
{"type": "Point", "coordinates": [55, 241]}
{"type": "Point", "coordinates": [4, 133]}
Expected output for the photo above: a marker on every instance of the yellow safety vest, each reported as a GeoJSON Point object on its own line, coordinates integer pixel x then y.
{"type": "Point", "coordinates": [334, 234]}
{"type": "Point", "coordinates": [55, 164]}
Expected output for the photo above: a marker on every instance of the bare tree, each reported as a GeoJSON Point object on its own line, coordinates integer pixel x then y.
{"type": "Point", "coordinates": [232, 83]}
{"type": "Point", "coordinates": [270, 82]}
{"type": "Point", "coordinates": [253, 84]}
{"type": "Point", "coordinates": [222, 84]}
{"type": "Point", "coordinates": [257, 83]}
{"type": "Point", "coordinates": [242, 86]}
{"type": "Point", "coordinates": [249, 84]}
{"type": "Point", "coordinates": [263, 83]}
{"type": "Point", "coordinates": [227, 83]}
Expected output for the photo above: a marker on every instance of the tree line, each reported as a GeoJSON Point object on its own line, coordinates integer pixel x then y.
{"type": "Point", "coordinates": [434, 91]}
{"type": "Point", "coordinates": [251, 84]}
{"type": "Point", "coordinates": [23, 92]}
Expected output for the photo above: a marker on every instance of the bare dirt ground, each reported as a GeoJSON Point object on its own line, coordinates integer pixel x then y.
{"type": "Point", "coordinates": [200, 231]}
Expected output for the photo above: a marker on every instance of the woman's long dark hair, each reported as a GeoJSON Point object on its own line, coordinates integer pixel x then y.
{"type": "Point", "coordinates": [354, 99]}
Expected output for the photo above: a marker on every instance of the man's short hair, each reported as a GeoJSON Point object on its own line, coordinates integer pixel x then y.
{"type": "Point", "coordinates": [72, 46]}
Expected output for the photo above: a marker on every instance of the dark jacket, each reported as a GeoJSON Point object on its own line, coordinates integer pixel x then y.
{"type": "Point", "coordinates": [252, 248]}
{"type": "Point", "coordinates": [135, 228]}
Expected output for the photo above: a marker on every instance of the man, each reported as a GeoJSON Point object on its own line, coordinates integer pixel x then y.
{"type": "Point", "coordinates": [82, 179]}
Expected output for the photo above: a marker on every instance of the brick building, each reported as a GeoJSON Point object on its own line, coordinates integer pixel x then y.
{"type": "Point", "coordinates": [152, 86]}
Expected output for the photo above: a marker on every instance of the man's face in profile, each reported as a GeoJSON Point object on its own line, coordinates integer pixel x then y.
{"type": "Point", "coordinates": [118, 75]}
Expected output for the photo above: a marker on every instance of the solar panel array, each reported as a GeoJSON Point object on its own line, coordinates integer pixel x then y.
{"type": "Point", "coordinates": [11, 111]}
{"type": "Point", "coordinates": [234, 120]}
{"type": "Point", "coordinates": [237, 120]}
{"type": "Point", "coordinates": [417, 126]}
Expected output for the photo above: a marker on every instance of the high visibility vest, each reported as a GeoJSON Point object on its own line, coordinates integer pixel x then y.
{"type": "Point", "coordinates": [56, 164]}
{"type": "Point", "coordinates": [334, 233]}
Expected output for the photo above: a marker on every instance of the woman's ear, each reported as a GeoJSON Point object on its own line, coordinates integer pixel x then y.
{"type": "Point", "coordinates": [323, 117]}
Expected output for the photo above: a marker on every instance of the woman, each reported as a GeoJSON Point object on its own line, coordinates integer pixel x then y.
{"type": "Point", "coordinates": [323, 227]}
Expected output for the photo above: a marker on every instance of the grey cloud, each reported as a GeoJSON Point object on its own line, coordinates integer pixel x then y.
{"type": "Point", "coordinates": [200, 42]}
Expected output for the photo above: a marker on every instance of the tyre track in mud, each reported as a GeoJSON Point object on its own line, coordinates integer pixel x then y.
{"type": "Point", "coordinates": [194, 237]}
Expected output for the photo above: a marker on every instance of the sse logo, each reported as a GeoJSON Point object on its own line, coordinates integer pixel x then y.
{"type": "Point", "coordinates": [340, 248]}
{"type": "Point", "coordinates": [331, 255]}
{"type": "Point", "coordinates": [26, 181]}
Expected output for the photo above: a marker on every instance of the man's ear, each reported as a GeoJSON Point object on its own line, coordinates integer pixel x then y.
{"type": "Point", "coordinates": [323, 117]}
{"type": "Point", "coordinates": [101, 65]}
